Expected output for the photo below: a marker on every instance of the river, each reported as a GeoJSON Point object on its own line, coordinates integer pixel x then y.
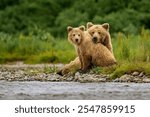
{"type": "Point", "coordinates": [35, 90]}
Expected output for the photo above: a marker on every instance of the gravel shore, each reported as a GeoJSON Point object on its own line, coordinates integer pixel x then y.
{"type": "Point", "coordinates": [46, 72]}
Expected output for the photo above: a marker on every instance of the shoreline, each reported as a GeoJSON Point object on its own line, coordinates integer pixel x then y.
{"type": "Point", "coordinates": [47, 72]}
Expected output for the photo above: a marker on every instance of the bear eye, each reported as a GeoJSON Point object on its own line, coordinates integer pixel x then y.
{"type": "Point", "coordinates": [73, 34]}
{"type": "Point", "coordinates": [99, 32]}
{"type": "Point", "coordinates": [92, 32]}
{"type": "Point", "coordinates": [79, 35]}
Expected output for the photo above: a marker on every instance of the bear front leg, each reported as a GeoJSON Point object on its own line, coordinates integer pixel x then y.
{"type": "Point", "coordinates": [81, 61]}
{"type": "Point", "coordinates": [86, 63]}
{"type": "Point", "coordinates": [80, 58]}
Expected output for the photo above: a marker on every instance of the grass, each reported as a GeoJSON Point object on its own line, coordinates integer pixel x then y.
{"type": "Point", "coordinates": [133, 48]}
{"type": "Point", "coordinates": [131, 51]}
{"type": "Point", "coordinates": [124, 68]}
{"type": "Point", "coordinates": [41, 48]}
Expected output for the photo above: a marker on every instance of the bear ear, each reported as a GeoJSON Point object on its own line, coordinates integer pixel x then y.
{"type": "Point", "coordinates": [89, 24]}
{"type": "Point", "coordinates": [106, 26]}
{"type": "Point", "coordinates": [82, 28]}
{"type": "Point", "coordinates": [69, 28]}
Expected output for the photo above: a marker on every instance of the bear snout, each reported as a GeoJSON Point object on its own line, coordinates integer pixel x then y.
{"type": "Point", "coordinates": [94, 39]}
{"type": "Point", "coordinates": [76, 40]}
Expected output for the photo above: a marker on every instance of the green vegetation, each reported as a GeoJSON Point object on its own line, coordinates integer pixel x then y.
{"type": "Point", "coordinates": [54, 16]}
{"type": "Point", "coordinates": [35, 48]}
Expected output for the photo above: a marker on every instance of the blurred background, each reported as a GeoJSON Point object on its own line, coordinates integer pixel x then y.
{"type": "Point", "coordinates": [34, 31]}
{"type": "Point", "coordinates": [26, 16]}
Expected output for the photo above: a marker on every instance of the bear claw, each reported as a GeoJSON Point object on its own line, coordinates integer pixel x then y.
{"type": "Point", "coordinates": [60, 73]}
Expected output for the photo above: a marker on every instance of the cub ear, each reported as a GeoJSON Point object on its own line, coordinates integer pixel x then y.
{"type": "Point", "coordinates": [89, 24]}
{"type": "Point", "coordinates": [82, 28]}
{"type": "Point", "coordinates": [69, 28]}
{"type": "Point", "coordinates": [106, 26]}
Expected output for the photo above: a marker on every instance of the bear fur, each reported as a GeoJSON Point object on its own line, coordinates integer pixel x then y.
{"type": "Point", "coordinates": [100, 34]}
{"type": "Point", "coordinates": [88, 52]}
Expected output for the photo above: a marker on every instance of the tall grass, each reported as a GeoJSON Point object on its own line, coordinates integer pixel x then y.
{"type": "Point", "coordinates": [35, 48]}
{"type": "Point", "coordinates": [132, 48]}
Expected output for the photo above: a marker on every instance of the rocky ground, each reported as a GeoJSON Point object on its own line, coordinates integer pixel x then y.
{"type": "Point", "coordinates": [46, 72]}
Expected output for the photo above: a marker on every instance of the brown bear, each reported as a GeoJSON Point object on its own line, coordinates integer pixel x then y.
{"type": "Point", "coordinates": [100, 34]}
{"type": "Point", "coordinates": [88, 52]}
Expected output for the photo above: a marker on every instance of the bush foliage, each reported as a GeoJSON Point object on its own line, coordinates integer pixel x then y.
{"type": "Point", "coordinates": [54, 16]}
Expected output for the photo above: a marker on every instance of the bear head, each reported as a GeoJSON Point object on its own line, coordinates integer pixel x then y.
{"type": "Point", "coordinates": [98, 32]}
{"type": "Point", "coordinates": [75, 35]}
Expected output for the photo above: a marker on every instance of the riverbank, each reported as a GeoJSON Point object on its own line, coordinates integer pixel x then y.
{"type": "Point", "coordinates": [47, 72]}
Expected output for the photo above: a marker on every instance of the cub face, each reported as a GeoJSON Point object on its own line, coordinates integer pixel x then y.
{"type": "Point", "coordinates": [75, 35]}
{"type": "Point", "coordinates": [98, 32]}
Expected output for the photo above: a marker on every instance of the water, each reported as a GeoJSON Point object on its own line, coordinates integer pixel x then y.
{"type": "Point", "coordinates": [73, 90]}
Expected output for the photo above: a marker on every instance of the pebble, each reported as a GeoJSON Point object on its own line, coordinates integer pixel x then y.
{"type": "Point", "coordinates": [135, 73]}
{"type": "Point", "coordinates": [116, 80]}
{"type": "Point", "coordinates": [141, 74]}
{"type": "Point", "coordinates": [126, 78]}
{"type": "Point", "coordinates": [77, 74]}
{"type": "Point", "coordinates": [146, 80]}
